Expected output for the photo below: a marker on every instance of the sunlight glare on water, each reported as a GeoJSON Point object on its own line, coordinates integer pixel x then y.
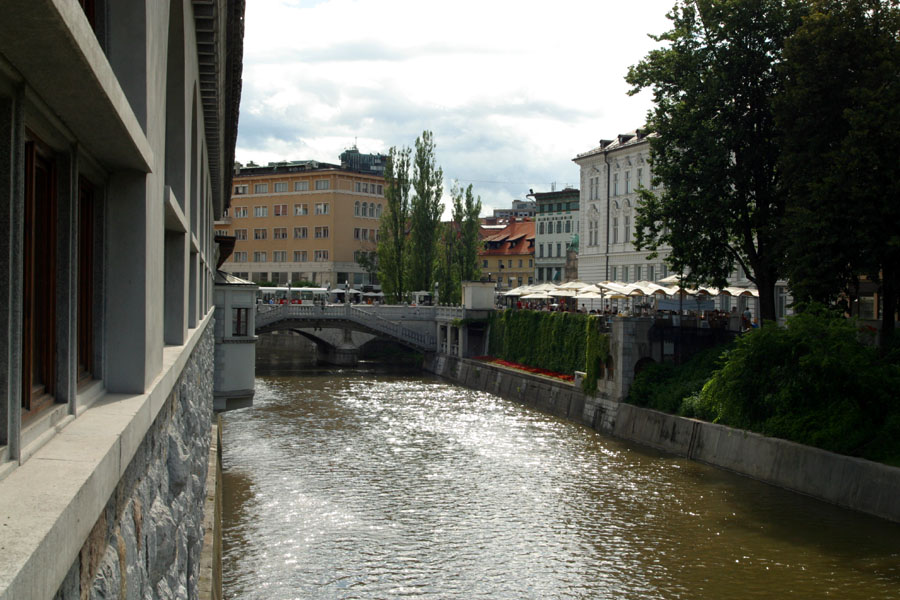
{"type": "Point", "coordinates": [354, 485]}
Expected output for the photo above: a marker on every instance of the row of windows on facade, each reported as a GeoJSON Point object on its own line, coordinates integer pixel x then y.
{"type": "Point", "coordinates": [303, 186]}
{"type": "Point", "coordinates": [559, 227]}
{"type": "Point", "coordinates": [300, 233]}
{"type": "Point", "coordinates": [364, 209]}
{"type": "Point", "coordinates": [550, 207]}
{"type": "Point", "coordinates": [281, 256]}
{"type": "Point", "coordinates": [594, 231]}
{"type": "Point", "coordinates": [625, 185]}
{"type": "Point", "coordinates": [278, 210]}
{"type": "Point", "coordinates": [552, 273]}
{"type": "Point", "coordinates": [559, 250]}
{"type": "Point", "coordinates": [628, 273]}
{"type": "Point", "coordinates": [509, 263]}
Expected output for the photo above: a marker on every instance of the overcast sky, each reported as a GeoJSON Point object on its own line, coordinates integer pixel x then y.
{"type": "Point", "coordinates": [512, 89]}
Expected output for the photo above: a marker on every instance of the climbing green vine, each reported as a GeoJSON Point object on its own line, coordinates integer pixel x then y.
{"type": "Point", "coordinates": [561, 342]}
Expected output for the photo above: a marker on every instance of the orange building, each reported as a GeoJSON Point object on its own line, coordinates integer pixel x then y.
{"type": "Point", "coordinates": [508, 254]}
{"type": "Point", "coordinates": [303, 221]}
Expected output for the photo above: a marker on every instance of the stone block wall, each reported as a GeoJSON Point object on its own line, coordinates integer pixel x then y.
{"type": "Point", "coordinates": [147, 541]}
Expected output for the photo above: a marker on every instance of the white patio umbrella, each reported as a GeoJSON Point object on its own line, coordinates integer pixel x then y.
{"type": "Point", "coordinates": [572, 285]}
{"type": "Point", "coordinates": [537, 296]}
{"type": "Point", "coordinates": [561, 293]}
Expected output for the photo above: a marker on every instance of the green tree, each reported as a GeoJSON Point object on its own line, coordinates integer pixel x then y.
{"type": "Point", "coordinates": [392, 236]}
{"type": "Point", "coordinates": [840, 114]}
{"type": "Point", "coordinates": [425, 214]}
{"type": "Point", "coordinates": [467, 213]}
{"type": "Point", "coordinates": [716, 146]}
{"type": "Point", "coordinates": [457, 259]}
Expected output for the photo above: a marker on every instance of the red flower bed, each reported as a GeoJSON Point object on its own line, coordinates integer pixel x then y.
{"type": "Point", "coordinates": [535, 370]}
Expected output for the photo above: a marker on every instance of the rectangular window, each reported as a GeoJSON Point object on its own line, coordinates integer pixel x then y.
{"type": "Point", "coordinates": [615, 184]}
{"type": "Point", "coordinates": [321, 255]}
{"type": "Point", "coordinates": [509, 263]}
{"type": "Point", "coordinates": [358, 186]}
{"type": "Point", "coordinates": [259, 257]}
{"type": "Point", "coordinates": [261, 188]}
{"type": "Point", "coordinates": [365, 234]}
{"type": "Point", "coordinates": [640, 176]}
{"type": "Point", "coordinates": [239, 319]}
{"type": "Point", "coordinates": [299, 255]}
{"type": "Point", "coordinates": [281, 209]}
{"type": "Point", "coordinates": [625, 274]}
{"type": "Point", "coordinates": [301, 210]}
{"type": "Point", "coordinates": [520, 263]}
{"type": "Point", "coordinates": [484, 264]}
{"type": "Point", "coordinates": [240, 234]}
{"type": "Point", "coordinates": [615, 273]}
{"type": "Point", "coordinates": [260, 211]}
{"type": "Point", "coordinates": [321, 232]}
{"type": "Point", "coordinates": [651, 271]}
{"type": "Point", "coordinates": [627, 229]}
{"type": "Point", "coordinates": [558, 250]}
{"type": "Point", "coordinates": [637, 273]}
{"type": "Point", "coordinates": [240, 190]}
{"type": "Point", "coordinates": [85, 322]}
{"type": "Point", "coordinates": [540, 251]}
{"type": "Point", "coordinates": [322, 207]}
{"type": "Point", "coordinates": [281, 186]}
{"type": "Point", "coordinates": [240, 257]}
{"type": "Point", "coordinates": [279, 233]}
{"type": "Point", "coordinates": [260, 234]}
{"type": "Point", "coordinates": [323, 184]}
{"type": "Point", "coordinates": [39, 289]}
{"type": "Point", "coordinates": [239, 212]}
{"type": "Point", "coordinates": [540, 273]}
{"type": "Point", "coordinates": [615, 230]}
{"type": "Point", "coordinates": [301, 233]}
{"type": "Point", "coordinates": [627, 182]}
{"type": "Point", "coordinates": [279, 256]}
{"type": "Point", "coordinates": [356, 233]}
{"type": "Point", "coordinates": [301, 186]}
{"type": "Point", "coordinates": [379, 190]}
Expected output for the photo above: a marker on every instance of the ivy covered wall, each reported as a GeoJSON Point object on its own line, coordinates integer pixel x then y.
{"type": "Point", "coordinates": [561, 342]}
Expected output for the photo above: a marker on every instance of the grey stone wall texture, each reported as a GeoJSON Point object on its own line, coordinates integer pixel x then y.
{"type": "Point", "coordinates": [147, 541]}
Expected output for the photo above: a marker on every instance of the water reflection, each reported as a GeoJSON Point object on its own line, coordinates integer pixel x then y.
{"type": "Point", "coordinates": [347, 485]}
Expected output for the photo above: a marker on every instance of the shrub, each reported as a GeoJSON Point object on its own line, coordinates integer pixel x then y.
{"type": "Point", "coordinates": [812, 382]}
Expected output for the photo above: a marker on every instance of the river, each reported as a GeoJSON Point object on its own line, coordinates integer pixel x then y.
{"type": "Point", "coordinates": [353, 484]}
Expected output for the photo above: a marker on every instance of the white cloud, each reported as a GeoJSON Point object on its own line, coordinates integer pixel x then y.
{"type": "Point", "coordinates": [512, 90]}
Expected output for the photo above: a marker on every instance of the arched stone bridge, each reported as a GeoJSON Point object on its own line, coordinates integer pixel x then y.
{"type": "Point", "coordinates": [415, 327]}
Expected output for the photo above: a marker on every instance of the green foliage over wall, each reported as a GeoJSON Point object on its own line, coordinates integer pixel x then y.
{"type": "Point", "coordinates": [811, 382]}
{"type": "Point", "coordinates": [597, 353]}
{"type": "Point", "coordinates": [561, 342]}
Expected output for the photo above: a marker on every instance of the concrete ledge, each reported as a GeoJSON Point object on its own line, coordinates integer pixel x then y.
{"type": "Point", "coordinates": [49, 504]}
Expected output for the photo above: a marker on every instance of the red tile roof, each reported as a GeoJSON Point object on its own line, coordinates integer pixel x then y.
{"type": "Point", "coordinates": [515, 238]}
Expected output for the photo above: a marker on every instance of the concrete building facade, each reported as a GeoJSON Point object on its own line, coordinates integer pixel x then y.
{"type": "Point", "coordinates": [116, 120]}
{"type": "Point", "coordinates": [303, 221]}
{"type": "Point", "coordinates": [557, 226]}
{"type": "Point", "coordinates": [611, 175]}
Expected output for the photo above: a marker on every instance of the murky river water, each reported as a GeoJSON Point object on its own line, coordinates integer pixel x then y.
{"type": "Point", "coordinates": [352, 485]}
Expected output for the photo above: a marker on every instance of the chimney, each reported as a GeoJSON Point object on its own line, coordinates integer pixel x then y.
{"type": "Point", "coordinates": [512, 219]}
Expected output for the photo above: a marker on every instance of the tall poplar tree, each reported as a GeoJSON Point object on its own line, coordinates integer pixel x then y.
{"type": "Point", "coordinates": [392, 235]}
{"type": "Point", "coordinates": [717, 145]}
{"type": "Point", "coordinates": [457, 258]}
{"type": "Point", "coordinates": [425, 214]}
{"type": "Point", "coordinates": [467, 212]}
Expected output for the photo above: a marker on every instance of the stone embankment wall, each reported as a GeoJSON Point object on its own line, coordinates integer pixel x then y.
{"type": "Point", "coordinates": [147, 542]}
{"type": "Point", "coordinates": [853, 483]}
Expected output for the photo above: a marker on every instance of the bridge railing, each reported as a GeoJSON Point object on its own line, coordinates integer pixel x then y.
{"type": "Point", "coordinates": [269, 314]}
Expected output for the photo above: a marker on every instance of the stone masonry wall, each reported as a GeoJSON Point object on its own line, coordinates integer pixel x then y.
{"type": "Point", "coordinates": [147, 542]}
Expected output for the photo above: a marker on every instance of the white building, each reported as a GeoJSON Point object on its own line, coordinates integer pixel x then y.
{"type": "Point", "coordinates": [557, 225]}
{"type": "Point", "coordinates": [611, 174]}
{"type": "Point", "coordinates": [117, 127]}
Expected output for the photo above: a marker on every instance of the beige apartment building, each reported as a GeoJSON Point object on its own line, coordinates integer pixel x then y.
{"type": "Point", "coordinates": [304, 221]}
